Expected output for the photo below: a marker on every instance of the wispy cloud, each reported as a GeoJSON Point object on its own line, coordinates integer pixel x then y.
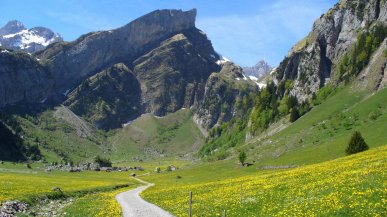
{"type": "Point", "coordinates": [275, 27]}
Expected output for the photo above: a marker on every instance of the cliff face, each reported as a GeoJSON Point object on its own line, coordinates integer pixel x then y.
{"type": "Point", "coordinates": [71, 62]}
{"type": "Point", "coordinates": [312, 61]}
{"type": "Point", "coordinates": [22, 79]}
{"type": "Point", "coordinates": [173, 75]}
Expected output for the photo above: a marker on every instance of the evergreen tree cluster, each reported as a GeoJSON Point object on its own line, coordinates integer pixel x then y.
{"type": "Point", "coordinates": [275, 102]}
{"type": "Point", "coordinates": [12, 146]}
{"type": "Point", "coordinates": [367, 42]}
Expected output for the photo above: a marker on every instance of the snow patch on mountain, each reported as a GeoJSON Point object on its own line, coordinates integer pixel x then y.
{"type": "Point", "coordinates": [222, 61]}
{"type": "Point", "coordinates": [15, 36]}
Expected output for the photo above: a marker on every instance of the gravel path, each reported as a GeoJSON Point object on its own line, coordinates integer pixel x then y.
{"type": "Point", "coordinates": [134, 206]}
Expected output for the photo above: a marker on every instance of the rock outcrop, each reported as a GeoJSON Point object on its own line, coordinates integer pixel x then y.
{"type": "Point", "coordinates": [13, 208]}
{"type": "Point", "coordinates": [222, 91]}
{"type": "Point", "coordinates": [173, 75]}
{"type": "Point", "coordinates": [109, 98]}
{"type": "Point", "coordinates": [312, 61]}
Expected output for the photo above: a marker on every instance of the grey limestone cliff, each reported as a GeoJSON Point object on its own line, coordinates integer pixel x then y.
{"type": "Point", "coordinates": [91, 53]}
{"type": "Point", "coordinates": [312, 61]}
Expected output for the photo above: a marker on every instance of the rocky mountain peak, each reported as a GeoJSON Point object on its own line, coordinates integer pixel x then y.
{"type": "Point", "coordinates": [258, 70]}
{"type": "Point", "coordinates": [12, 27]}
{"type": "Point", "coordinates": [94, 51]}
{"type": "Point", "coordinates": [14, 35]}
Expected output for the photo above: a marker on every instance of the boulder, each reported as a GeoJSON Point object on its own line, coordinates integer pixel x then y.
{"type": "Point", "coordinates": [12, 208]}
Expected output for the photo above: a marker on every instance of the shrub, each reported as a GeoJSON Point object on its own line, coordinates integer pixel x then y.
{"type": "Point", "coordinates": [221, 154]}
{"type": "Point", "coordinates": [242, 157]}
{"type": "Point", "coordinates": [294, 115]}
{"type": "Point", "coordinates": [374, 115]}
{"type": "Point", "coordinates": [356, 144]}
{"type": "Point", "coordinates": [103, 162]}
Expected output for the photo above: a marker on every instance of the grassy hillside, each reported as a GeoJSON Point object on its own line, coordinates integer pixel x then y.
{"type": "Point", "coordinates": [154, 137]}
{"type": "Point", "coordinates": [349, 186]}
{"type": "Point", "coordinates": [62, 136]}
{"type": "Point", "coordinates": [323, 133]}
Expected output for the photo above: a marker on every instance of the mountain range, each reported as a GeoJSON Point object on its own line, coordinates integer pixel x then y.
{"type": "Point", "coordinates": [87, 93]}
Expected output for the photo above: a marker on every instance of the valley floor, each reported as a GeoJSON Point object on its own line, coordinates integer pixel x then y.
{"type": "Point", "coordinates": [348, 186]}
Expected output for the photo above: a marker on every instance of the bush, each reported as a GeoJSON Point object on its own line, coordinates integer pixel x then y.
{"type": "Point", "coordinates": [294, 115]}
{"type": "Point", "coordinates": [374, 115]}
{"type": "Point", "coordinates": [103, 162]}
{"type": "Point", "coordinates": [323, 94]}
{"type": "Point", "coordinates": [242, 157]}
{"type": "Point", "coordinates": [221, 154]}
{"type": "Point", "coordinates": [356, 144]}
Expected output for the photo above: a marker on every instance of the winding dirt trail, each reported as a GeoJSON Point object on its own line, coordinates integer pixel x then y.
{"type": "Point", "coordinates": [134, 206]}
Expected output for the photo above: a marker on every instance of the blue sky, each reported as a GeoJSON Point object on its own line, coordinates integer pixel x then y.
{"type": "Point", "coordinates": [244, 31]}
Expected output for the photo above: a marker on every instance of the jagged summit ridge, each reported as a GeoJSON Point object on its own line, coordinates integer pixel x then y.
{"type": "Point", "coordinates": [94, 51]}
{"type": "Point", "coordinates": [258, 70]}
{"type": "Point", "coordinates": [170, 18]}
{"type": "Point", "coordinates": [12, 27]}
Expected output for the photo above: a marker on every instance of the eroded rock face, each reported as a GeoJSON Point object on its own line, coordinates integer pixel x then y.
{"type": "Point", "coordinates": [221, 92]}
{"type": "Point", "coordinates": [91, 53]}
{"type": "Point", "coordinates": [22, 79]}
{"type": "Point", "coordinates": [311, 62]}
{"type": "Point", "coordinates": [109, 98]}
{"type": "Point", "coordinates": [173, 75]}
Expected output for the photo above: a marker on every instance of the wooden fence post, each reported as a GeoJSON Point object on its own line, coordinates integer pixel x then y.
{"type": "Point", "coordinates": [190, 205]}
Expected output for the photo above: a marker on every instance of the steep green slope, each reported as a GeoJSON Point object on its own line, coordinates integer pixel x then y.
{"type": "Point", "coordinates": [150, 137]}
{"type": "Point", "coordinates": [62, 136]}
{"type": "Point", "coordinates": [13, 148]}
{"type": "Point", "coordinates": [323, 133]}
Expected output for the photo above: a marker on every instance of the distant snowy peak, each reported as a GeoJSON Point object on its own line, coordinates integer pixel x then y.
{"type": "Point", "coordinates": [258, 70]}
{"type": "Point", "coordinates": [12, 27]}
{"type": "Point", "coordinates": [14, 35]}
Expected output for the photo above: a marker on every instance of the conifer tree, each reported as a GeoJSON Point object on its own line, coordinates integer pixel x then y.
{"type": "Point", "coordinates": [356, 144]}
